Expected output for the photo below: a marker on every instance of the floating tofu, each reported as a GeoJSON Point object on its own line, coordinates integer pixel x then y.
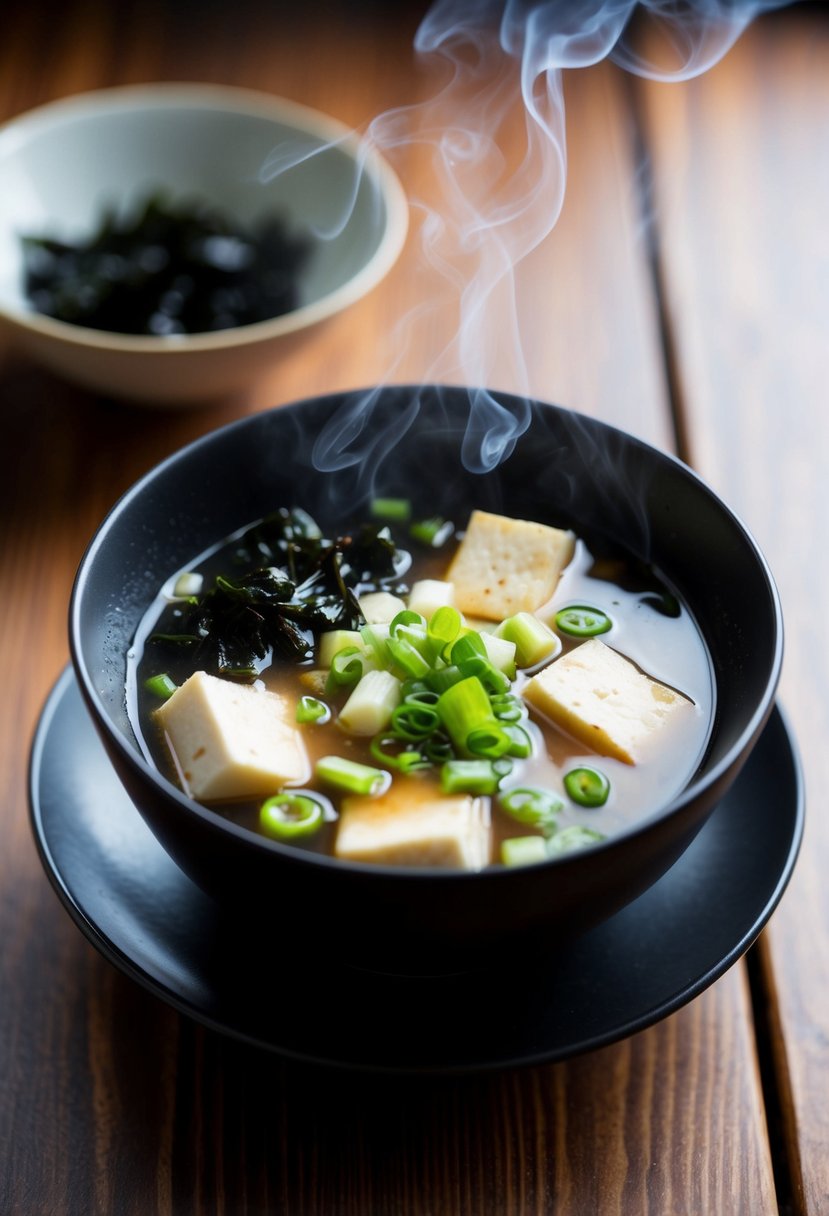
{"type": "Point", "coordinates": [380, 607]}
{"type": "Point", "coordinates": [231, 740]}
{"type": "Point", "coordinates": [504, 566]}
{"type": "Point", "coordinates": [415, 824]}
{"type": "Point", "coordinates": [602, 699]}
{"type": "Point", "coordinates": [429, 594]}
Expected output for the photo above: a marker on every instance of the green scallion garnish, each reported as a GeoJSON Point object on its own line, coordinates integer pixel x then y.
{"type": "Point", "coordinates": [396, 510]}
{"type": "Point", "coordinates": [310, 709]}
{"type": "Point", "coordinates": [535, 807]}
{"type": "Point", "coordinates": [161, 686]}
{"type": "Point", "coordinates": [587, 786]}
{"type": "Point", "coordinates": [463, 708]}
{"type": "Point", "coordinates": [572, 838]}
{"type": "Point", "coordinates": [434, 531]}
{"type": "Point", "coordinates": [413, 721]}
{"type": "Point", "coordinates": [582, 621]}
{"type": "Point", "coordinates": [289, 815]}
{"type": "Point", "coordinates": [523, 850]}
{"type": "Point", "coordinates": [353, 777]}
{"type": "Point", "coordinates": [469, 777]}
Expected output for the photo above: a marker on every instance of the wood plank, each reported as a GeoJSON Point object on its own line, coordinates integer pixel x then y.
{"type": "Point", "coordinates": [742, 183]}
{"type": "Point", "coordinates": [111, 1102]}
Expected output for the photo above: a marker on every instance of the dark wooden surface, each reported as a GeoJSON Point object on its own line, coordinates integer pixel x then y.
{"type": "Point", "coordinates": [110, 1102]}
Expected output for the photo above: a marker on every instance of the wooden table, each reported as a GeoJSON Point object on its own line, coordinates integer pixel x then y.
{"type": "Point", "coordinates": [683, 295]}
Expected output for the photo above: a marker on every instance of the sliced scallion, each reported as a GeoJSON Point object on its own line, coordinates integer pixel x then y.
{"type": "Point", "coordinates": [161, 686]}
{"type": "Point", "coordinates": [535, 807]}
{"type": "Point", "coordinates": [463, 708]}
{"type": "Point", "coordinates": [397, 510]}
{"type": "Point", "coordinates": [434, 531]}
{"type": "Point", "coordinates": [290, 815]}
{"type": "Point", "coordinates": [582, 621]}
{"type": "Point", "coordinates": [347, 667]}
{"type": "Point", "coordinates": [392, 752]}
{"type": "Point", "coordinates": [469, 777]}
{"type": "Point", "coordinates": [413, 721]}
{"type": "Point", "coordinates": [523, 850]}
{"type": "Point", "coordinates": [407, 658]}
{"type": "Point", "coordinates": [187, 584]}
{"type": "Point", "coordinates": [311, 709]}
{"type": "Point", "coordinates": [353, 777]}
{"type": "Point", "coordinates": [572, 838]}
{"type": "Point", "coordinates": [490, 741]}
{"type": "Point", "coordinates": [521, 745]}
{"type": "Point", "coordinates": [534, 642]}
{"type": "Point", "coordinates": [587, 786]}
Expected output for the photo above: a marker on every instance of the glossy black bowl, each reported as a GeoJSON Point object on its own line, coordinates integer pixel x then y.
{"type": "Point", "coordinates": [448, 450]}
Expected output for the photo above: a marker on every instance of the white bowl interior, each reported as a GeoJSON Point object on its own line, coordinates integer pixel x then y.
{"type": "Point", "coordinates": [62, 165]}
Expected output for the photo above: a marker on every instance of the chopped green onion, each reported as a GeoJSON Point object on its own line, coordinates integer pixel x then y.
{"type": "Point", "coordinates": [351, 776]}
{"type": "Point", "coordinates": [487, 673]}
{"type": "Point", "coordinates": [438, 748]}
{"type": "Point", "coordinates": [188, 584]}
{"type": "Point", "coordinates": [416, 692]}
{"type": "Point", "coordinates": [336, 640]}
{"type": "Point", "coordinates": [469, 646]}
{"type": "Point", "coordinates": [537, 808]}
{"type": "Point", "coordinates": [371, 704]}
{"type": "Point", "coordinates": [412, 721]}
{"type": "Point", "coordinates": [533, 640]}
{"type": "Point", "coordinates": [463, 708]}
{"type": "Point", "coordinates": [523, 850]}
{"type": "Point", "coordinates": [161, 686]}
{"type": "Point", "coordinates": [587, 786]}
{"type": "Point", "coordinates": [393, 753]}
{"type": "Point", "coordinates": [443, 629]}
{"type": "Point", "coordinates": [501, 653]}
{"type": "Point", "coordinates": [502, 766]}
{"type": "Point", "coordinates": [442, 678]}
{"type": "Point", "coordinates": [398, 510]}
{"type": "Point", "coordinates": [289, 815]}
{"type": "Point", "coordinates": [406, 656]}
{"type": "Point", "coordinates": [582, 621]}
{"type": "Point", "coordinates": [469, 777]}
{"type": "Point", "coordinates": [375, 644]}
{"type": "Point", "coordinates": [521, 745]}
{"type": "Point", "coordinates": [574, 837]}
{"type": "Point", "coordinates": [490, 741]}
{"type": "Point", "coordinates": [310, 709]}
{"type": "Point", "coordinates": [433, 532]}
{"type": "Point", "coordinates": [406, 619]}
{"type": "Point", "coordinates": [347, 668]}
{"type": "Point", "coordinates": [506, 707]}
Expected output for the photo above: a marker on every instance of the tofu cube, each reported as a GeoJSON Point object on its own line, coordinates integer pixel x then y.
{"type": "Point", "coordinates": [429, 594]}
{"type": "Point", "coordinates": [504, 566]}
{"type": "Point", "coordinates": [380, 607]}
{"type": "Point", "coordinates": [416, 824]}
{"type": "Point", "coordinates": [599, 697]}
{"type": "Point", "coordinates": [231, 740]}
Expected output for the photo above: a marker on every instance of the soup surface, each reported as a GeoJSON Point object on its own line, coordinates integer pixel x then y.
{"type": "Point", "coordinates": [516, 781]}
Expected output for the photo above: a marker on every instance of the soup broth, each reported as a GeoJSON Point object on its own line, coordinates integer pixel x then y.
{"type": "Point", "coordinates": [647, 624]}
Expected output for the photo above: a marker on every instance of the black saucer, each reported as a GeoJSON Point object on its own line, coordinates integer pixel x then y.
{"type": "Point", "coordinates": [144, 915]}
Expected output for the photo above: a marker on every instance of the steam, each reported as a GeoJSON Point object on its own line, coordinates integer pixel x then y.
{"type": "Point", "coordinates": [493, 134]}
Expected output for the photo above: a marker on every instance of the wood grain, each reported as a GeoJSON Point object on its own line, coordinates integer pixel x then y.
{"type": "Point", "coordinates": [742, 180]}
{"type": "Point", "coordinates": [109, 1101]}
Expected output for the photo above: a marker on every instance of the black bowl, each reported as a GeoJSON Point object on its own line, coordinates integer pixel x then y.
{"type": "Point", "coordinates": [448, 449]}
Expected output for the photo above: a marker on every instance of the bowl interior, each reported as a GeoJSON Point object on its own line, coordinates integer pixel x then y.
{"type": "Point", "coordinates": [62, 165]}
{"type": "Point", "coordinates": [564, 469]}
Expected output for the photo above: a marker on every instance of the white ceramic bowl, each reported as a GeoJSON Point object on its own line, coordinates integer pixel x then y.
{"type": "Point", "coordinates": [61, 164]}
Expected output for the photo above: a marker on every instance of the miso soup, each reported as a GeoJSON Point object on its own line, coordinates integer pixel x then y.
{"type": "Point", "coordinates": [405, 694]}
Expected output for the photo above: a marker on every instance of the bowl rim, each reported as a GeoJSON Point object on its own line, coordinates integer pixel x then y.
{"type": "Point", "coordinates": [134, 757]}
{"type": "Point", "coordinates": [184, 95]}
